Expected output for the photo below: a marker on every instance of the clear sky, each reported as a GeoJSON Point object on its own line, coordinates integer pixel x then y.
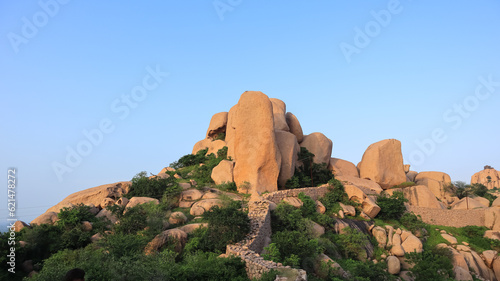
{"type": "Point", "coordinates": [424, 72]}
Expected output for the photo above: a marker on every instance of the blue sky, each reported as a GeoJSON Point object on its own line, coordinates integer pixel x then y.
{"type": "Point", "coordinates": [411, 72]}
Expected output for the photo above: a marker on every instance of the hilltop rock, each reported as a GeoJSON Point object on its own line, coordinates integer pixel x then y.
{"type": "Point", "coordinates": [279, 110]}
{"type": "Point", "coordinates": [411, 175]}
{"type": "Point", "coordinates": [256, 153]}
{"type": "Point", "coordinates": [294, 125]}
{"type": "Point", "coordinates": [231, 131]}
{"type": "Point", "coordinates": [488, 177]}
{"type": "Point", "coordinates": [319, 145]}
{"type": "Point", "coordinates": [94, 195]}
{"type": "Point", "coordinates": [382, 162]}
{"type": "Point", "coordinates": [217, 125]}
{"type": "Point", "coordinates": [289, 149]}
{"type": "Point", "coordinates": [223, 172]}
{"type": "Point", "coordinates": [341, 167]}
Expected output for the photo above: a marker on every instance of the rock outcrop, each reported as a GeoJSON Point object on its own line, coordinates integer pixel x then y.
{"type": "Point", "coordinates": [217, 125]}
{"type": "Point", "coordinates": [256, 153]}
{"type": "Point", "coordinates": [437, 182]}
{"type": "Point", "coordinates": [341, 167]}
{"type": "Point", "coordinates": [320, 146]}
{"type": "Point", "coordinates": [382, 162]}
{"type": "Point", "coordinates": [488, 177]}
{"type": "Point", "coordinates": [294, 125]}
{"type": "Point", "coordinates": [279, 111]}
{"type": "Point", "coordinates": [289, 149]}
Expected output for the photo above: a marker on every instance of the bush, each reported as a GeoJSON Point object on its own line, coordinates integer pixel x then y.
{"type": "Point", "coordinates": [190, 159]}
{"type": "Point", "coordinates": [431, 264]}
{"type": "Point", "coordinates": [292, 247]}
{"type": "Point", "coordinates": [366, 271]}
{"type": "Point", "coordinates": [308, 208]}
{"type": "Point", "coordinates": [310, 173]}
{"type": "Point", "coordinates": [143, 186]}
{"type": "Point", "coordinates": [352, 243]}
{"type": "Point", "coordinates": [392, 207]}
{"type": "Point", "coordinates": [287, 217]}
{"type": "Point", "coordinates": [336, 194]}
{"type": "Point", "coordinates": [412, 222]}
{"type": "Point", "coordinates": [69, 217]}
{"type": "Point", "coordinates": [227, 186]}
{"type": "Point", "coordinates": [226, 225]}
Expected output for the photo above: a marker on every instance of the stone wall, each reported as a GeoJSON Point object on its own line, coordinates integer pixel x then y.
{"type": "Point", "coordinates": [455, 218]}
{"type": "Point", "coordinates": [314, 192]}
{"type": "Point", "coordinates": [249, 248]}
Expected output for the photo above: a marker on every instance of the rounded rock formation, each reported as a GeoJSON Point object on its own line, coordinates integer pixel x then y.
{"type": "Point", "coordinates": [319, 145]}
{"type": "Point", "coordinates": [382, 162]}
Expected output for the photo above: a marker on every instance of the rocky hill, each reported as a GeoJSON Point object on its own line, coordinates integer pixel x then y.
{"type": "Point", "coordinates": [259, 197]}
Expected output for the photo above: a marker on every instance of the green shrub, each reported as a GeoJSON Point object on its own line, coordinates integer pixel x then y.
{"type": "Point", "coordinates": [292, 247]}
{"type": "Point", "coordinates": [69, 217]}
{"type": "Point", "coordinates": [310, 173]}
{"type": "Point", "coordinates": [190, 159]}
{"type": "Point", "coordinates": [308, 208]}
{"type": "Point", "coordinates": [412, 222]}
{"type": "Point", "coordinates": [366, 271]}
{"type": "Point", "coordinates": [392, 207]}
{"type": "Point", "coordinates": [121, 245]}
{"type": "Point", "coordinates": [431, 264]}
{"type": "Point", "coordinates": [404, 184]}
{"type": "Point", "coordinates": [287, 217]}
{"type": "Point", "coordinates": [226, 225]}
{"type": "Point", "coordinates": [351, 242]}
{"type": "Point", "coordinates": [336, 194]}
{"type": "Point", "coordinates": [227, 186]}
{"type": "Point", "coordinates": [143, 186]}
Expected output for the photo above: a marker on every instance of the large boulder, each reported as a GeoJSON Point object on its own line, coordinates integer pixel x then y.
{"type": "Point", "coordinates": [393, 265]}
{"type": "Point", "coordinates": [418, 195]}
{"type": "Point", "coordinates": [289, 149]}
{"type": "Point", "coordinates": [202, 206]}
{"type": "Point", "coordinates": [341, 167]}
{"type": "Point", "coordinates": [177, 218]}
{"type": "Point", "coordinates": [412, 244]}
{"type": "Point", "coordinates": [191, 195]}
{"type": "Point", "coordinates": [294, 125]}
{"type": "Point", "coordinates": [488, 177]}
{"type": "Point", "coordinates": [94, 195]}
{"type": "Point", "coordinates": [437, 182]}
{"type": "Point", "coordinates": [256, 153]}
{"type": "Point", "coordinates": [380, 235]}
{"type": "Point", "coordinates": [45, 218]}
{"type": "Point", "coordinates": [204, 143]}
{"type": "Point", "coordinates": [223, 172]}
{"type": "Point", "coordinates": [382, 162]}
{"type": "Point", "coordinates": [319, 145]}
{"type": "Point", "coordinates": [175, 235]}
{"type": "Point", "coordinates": [217, 125]}
{"type": "Point", "coordinates": [215, 146]}
{"type": "Point", "coordinates": [189, 228]}
{"type": "Point", "coordinates": [279, 110]}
